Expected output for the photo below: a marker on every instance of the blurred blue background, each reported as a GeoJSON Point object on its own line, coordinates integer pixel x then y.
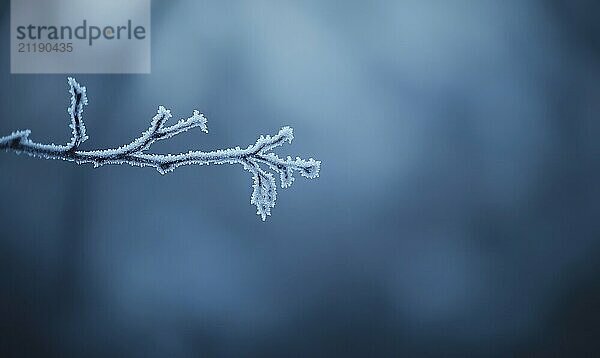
{"type": "Point", "coordinates": [456, 213]}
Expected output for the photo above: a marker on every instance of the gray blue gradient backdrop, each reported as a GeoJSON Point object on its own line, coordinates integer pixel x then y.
{"type": "Point", "coordinates": [456, 213]}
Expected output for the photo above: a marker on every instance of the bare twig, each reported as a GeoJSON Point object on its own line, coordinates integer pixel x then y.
{"type": "Point", "coordinates": [264, 189]}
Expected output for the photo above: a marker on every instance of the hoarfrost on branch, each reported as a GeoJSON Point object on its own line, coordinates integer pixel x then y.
{"type": "Point", "coordinates": [257, 158]}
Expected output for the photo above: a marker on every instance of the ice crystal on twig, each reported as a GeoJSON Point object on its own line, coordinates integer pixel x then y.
{"type": "Point", "coordinates": [255, 158]}
{"type": "Point", "coordinates": [78, 100]}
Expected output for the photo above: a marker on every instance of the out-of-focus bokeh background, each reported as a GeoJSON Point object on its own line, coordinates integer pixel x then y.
{"type": "Point", "coordinates": [457, 212]}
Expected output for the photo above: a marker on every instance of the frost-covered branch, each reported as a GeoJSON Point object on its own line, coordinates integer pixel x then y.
{"type": "Point", "coordinates": [256, 158]}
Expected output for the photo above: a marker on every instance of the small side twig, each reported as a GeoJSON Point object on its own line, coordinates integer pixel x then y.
{"type": "Point", "coordinates": [264, 192]}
